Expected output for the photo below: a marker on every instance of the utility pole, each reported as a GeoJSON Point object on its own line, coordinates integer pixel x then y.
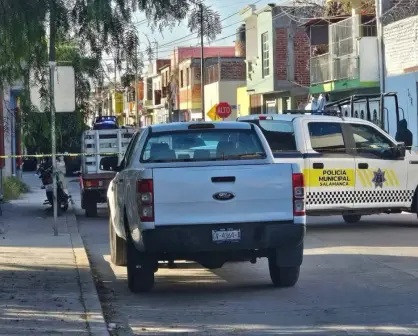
{"type": "Point", "coordinates": [136, 87]}
{"type": "Point", "coordinates": [202, 63]}
{"type": "Point", "coordinates": [52, 65]}
{"type": "Point", "coordinates": [381, 52]}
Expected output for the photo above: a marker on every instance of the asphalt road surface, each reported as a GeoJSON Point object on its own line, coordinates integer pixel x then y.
{"type": "Point", "coordinates": [355, 280]}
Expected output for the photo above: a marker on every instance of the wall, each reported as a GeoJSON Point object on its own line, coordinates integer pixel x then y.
{"type": "Point", "coordinates": [230, 70]}
{"type": "Point", "coordinates": [251, 41]}
{"type": "Point", "coordinates": [182, 53]}
{"type": "Point", "coordinates": [224, 91]}
{"type": "Point", "coordinates": [368, 52]}
{"type": "Point", "coordinates": [228, 93]}
{"type": "Point", "coordinates": [302, 57]}
{"type": "Point", "coordinates": [211, 97]}
{"type": "Point", "coordinates": [406, 88]}
{"type": "Point", "coordinates": [243, 101]}
{"type": "Point", "coordinates": [255, 79]}
{"type": "Point", "coordinates": [401, 45]}
{"type": "Point", "coordinates": [190, 95]}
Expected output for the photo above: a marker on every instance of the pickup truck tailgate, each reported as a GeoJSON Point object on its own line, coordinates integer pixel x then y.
{"type": "Point", "coordinates": [251, 193]}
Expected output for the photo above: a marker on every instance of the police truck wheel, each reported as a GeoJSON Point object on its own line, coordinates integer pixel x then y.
{"type": "Point", "coordinates": [352, 219]}
{"type": "Point", "coordinates": [117, 247]}
{"type": "Point", "coordinates": [140, 271]}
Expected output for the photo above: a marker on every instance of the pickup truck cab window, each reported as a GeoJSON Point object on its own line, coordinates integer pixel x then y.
{"type": "Point", "coordinates": [326, 137]}
{"type": "Point", "coordinates": [202, 145]}
{"type": "Point", "coordinates": [371, 143]}
{"type": "Point", "coordinates": [128, 154]}
{"type": "Point", "coordinates": [278, 133]}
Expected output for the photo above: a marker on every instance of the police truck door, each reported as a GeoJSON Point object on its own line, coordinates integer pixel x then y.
{"type": "Point", "coordinates": [381, 177]}
{"type": "Point", "coordinates": [330, 174]}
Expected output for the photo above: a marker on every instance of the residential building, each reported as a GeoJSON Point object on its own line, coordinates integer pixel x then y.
{"type": "Point", "coordinates": [277, 57]}
{"type": "Point", "coordinates": [186, 102]}
{"type": "Point", "coordinates": [132, 107]}
{"type": "Point", "coordinates": [152, 107]}
{"type": "Point", "coordinates": [344, 54]}
{"type": "Point", "coordinates": [224, 75]}
{"type": "Point", "coordinates": [165, 72]}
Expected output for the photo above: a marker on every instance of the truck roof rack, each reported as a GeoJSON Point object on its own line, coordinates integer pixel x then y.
{"type": "Point", "coordinates": [334, 113]}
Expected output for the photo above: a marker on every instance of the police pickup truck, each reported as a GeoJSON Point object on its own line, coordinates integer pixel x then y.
{"type": "Point", "coordinates": [204, 192]}
{"type": "Point", "coordinates": [351, 166]}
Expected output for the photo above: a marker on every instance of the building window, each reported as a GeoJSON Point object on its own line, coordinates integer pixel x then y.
{"type": "Point", "coordinates": [181, 79]}
{"type": "Point", "coordinates": [265, 54]}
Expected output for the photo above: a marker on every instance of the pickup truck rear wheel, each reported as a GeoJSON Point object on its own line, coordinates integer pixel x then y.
{"type": "Point", "coordinates": [282, 276]}
{"type": "Point", "coordinates": [117, 247]}
{"type": "Point", "coordinates": [140, 270]}
{"type": "Point", "coordinates": [352, 219]}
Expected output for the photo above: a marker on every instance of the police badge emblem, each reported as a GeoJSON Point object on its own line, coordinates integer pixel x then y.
{"type": "Point", "coordinates": [378, 178]}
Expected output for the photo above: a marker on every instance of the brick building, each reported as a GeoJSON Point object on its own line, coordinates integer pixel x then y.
{"type": "Point", "coordinates": [277, 56]}
{"type": "Point", "coordinates": [223, 76]}
{"type": "Point", "coordinates": [232, 72]}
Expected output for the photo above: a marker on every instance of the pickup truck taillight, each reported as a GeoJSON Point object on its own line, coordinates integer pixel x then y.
{"type": "Point", "coordinates": [145, 194]}
{"type": "Point", "coordinates": [298, 184]}
{"type": "Point", "coordinates": [93, 183]}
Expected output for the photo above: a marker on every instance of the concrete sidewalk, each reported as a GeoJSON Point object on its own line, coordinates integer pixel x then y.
{"type": "Point", "coordinates": [46, 282]}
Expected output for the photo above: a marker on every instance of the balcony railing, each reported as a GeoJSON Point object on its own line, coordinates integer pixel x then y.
{"type": "Point", "coordinates": [325, 69]}
{"type": "Point", "coordinates": [320, 69]}
{"type": "Point", "coordinates": [345, 68]}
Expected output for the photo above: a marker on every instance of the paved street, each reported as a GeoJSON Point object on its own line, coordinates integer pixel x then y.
{"type": "Point", "coordinates": [356, 280]}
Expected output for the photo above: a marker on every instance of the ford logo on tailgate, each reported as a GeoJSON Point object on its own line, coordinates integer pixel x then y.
{"type": "Point", "coordinates": [223, 196]}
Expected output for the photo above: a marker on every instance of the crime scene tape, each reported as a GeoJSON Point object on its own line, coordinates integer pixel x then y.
{"type": "Point", "coordinates": [58, 154]}
{"type": "Point", "coordinates": [337, 150]}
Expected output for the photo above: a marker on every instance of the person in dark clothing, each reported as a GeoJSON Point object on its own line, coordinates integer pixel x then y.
{"type": "Point", "coordinates": [404, 134]}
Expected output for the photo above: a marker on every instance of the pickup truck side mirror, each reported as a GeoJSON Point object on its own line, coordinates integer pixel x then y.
{"type": "Point", "coordinates": [110, 163]}
{"type": "Point", "coordinates": [400, 150]}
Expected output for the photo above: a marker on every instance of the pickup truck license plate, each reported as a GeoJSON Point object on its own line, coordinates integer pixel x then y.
{"type": "Point", "coordinates": [220, 236]}
{"type": "Point", "coordinates": [49, 187]}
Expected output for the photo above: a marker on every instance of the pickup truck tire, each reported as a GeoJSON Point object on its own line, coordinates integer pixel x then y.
{"type": "Point", "coordinates": [351, 219]}
{"type": "Point", "coordinates": [117, 247]}
{"type": "Point", "coordinates": [283, 276]}
{"type": "Point", "coordinates": [140, 271]}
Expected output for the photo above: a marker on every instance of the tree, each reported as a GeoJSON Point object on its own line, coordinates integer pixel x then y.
{"type": "Point", "coordinates": [98, 26]}
{"type": "Point", "coordinates": [92, 28]}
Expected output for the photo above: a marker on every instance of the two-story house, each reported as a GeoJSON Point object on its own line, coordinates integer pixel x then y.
{"type": "Point", "coordinates": [152, 106]}
{"type": "Point", "coordinates": [277, 57]}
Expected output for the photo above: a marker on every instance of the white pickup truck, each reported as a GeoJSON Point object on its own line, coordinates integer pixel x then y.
{"type": "Point", "coordinates": [351, 166]}
{"type": "Point", "coordinates": [208, 193]}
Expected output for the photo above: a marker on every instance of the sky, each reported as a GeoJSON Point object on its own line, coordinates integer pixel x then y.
{"type": "Point", "coordinates": [181, 36]}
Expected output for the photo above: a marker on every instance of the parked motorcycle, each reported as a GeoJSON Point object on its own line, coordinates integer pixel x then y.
{"type": "Point", "coordinates": [46, 175]}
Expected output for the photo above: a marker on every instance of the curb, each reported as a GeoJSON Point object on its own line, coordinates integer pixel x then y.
{"type": "Point", "coordinates": [96, 323]}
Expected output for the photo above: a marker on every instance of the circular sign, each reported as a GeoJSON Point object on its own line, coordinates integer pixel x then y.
{"type": "Point", "coordinates": [223, 110]}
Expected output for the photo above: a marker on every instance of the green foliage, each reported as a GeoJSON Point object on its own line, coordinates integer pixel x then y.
{"type": "Point", "coordinates": [212, 25]}
{"type": "Point", "coordinates": [85, 30]}
{"type": "Point", "coordinates": [13, 188]}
